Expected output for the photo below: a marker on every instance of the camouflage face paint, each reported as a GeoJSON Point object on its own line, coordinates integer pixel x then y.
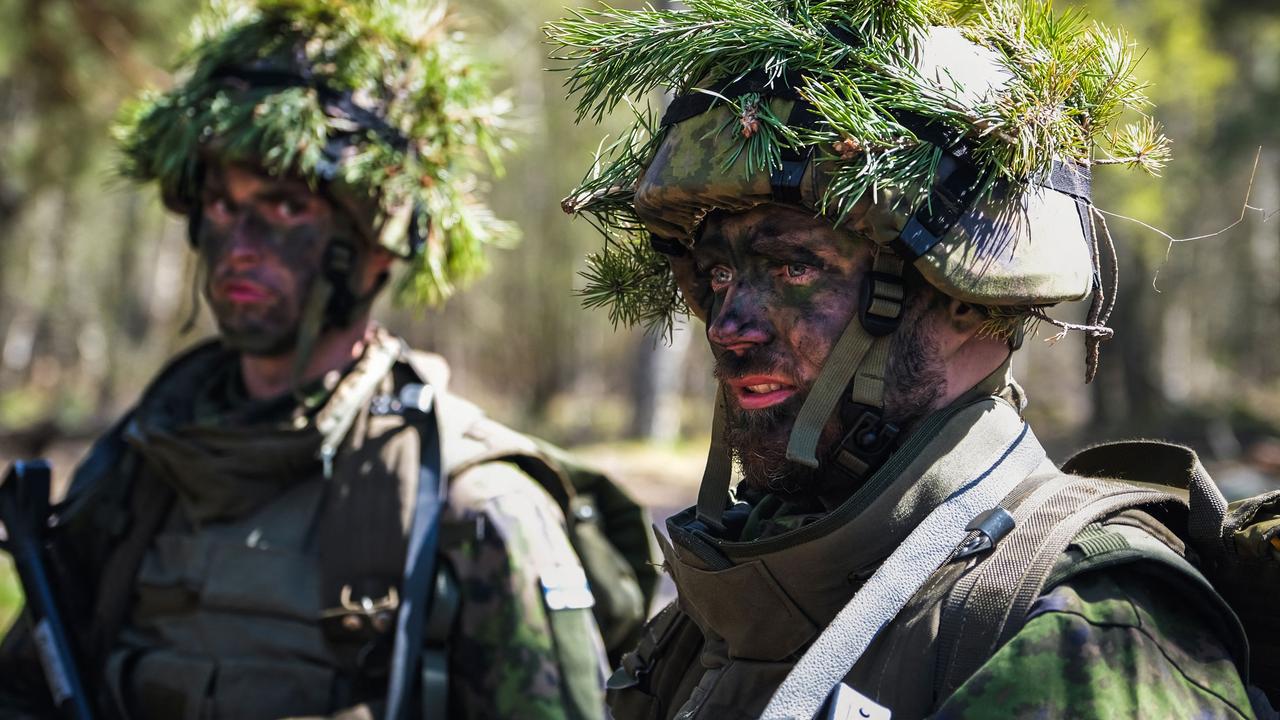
{"type": "Point", "coordinates": [262, 240]}
{"type": "Point", "coordinates": [780, 286]}
{"type": "Point", "coordinates": [783, 285]}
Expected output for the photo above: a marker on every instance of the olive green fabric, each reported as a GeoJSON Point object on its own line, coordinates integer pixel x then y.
{"type": "Point", "coordinates": [1109, 645]}
{"type": "Point", "coordinates": [759, 600]}
{"type": "Point", "coordinates": [1021, 249]}
{"type": "Point", "coordinates": [227, 615]}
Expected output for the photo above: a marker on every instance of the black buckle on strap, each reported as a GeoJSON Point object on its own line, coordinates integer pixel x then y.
{"type": "Point", "coordinates": [867, 444]}
{"type": "Point", "coordinates": [887, 289]}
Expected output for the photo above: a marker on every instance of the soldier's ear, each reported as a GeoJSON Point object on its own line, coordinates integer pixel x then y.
{"type": "Point", "coordinates": [964, 318]}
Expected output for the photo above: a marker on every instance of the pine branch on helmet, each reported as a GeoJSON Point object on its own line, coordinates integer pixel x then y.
{"type": "Point", "coordinates": [375, 104]}
{"type": "Point", "coordinates": [950, 132]}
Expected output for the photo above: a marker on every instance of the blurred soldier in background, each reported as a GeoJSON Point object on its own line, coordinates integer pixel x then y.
{"type": "Point", "coordinates": [868, 203]}
{"type": "Point", "coordinates": [258, 537]}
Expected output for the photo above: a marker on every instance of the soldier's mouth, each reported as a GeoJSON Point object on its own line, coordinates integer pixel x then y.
{"type": "Point", "coordinates": [756, 392]}
{"type": "Point", "coordinates": [244, 291]}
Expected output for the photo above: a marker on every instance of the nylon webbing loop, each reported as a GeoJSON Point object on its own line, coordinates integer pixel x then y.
{"type": "Point", "coordinates": [883, 296]}
{"type": "Point", "coordinates": [713, 493]}
{"type": "Point", "coordinates": [839, 369]}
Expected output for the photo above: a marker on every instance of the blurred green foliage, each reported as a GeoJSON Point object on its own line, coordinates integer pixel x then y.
{"type": "Point", "coordinates": [96, 282]}
{"type": "Point", "coordinates": [10, 594]}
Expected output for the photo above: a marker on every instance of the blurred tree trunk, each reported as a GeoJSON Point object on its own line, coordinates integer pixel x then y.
{"type": "Point", "coordinates": [657, 389]}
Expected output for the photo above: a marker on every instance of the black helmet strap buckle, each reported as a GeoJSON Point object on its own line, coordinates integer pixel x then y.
{"type": "Point", "coordinates": [868, 443]}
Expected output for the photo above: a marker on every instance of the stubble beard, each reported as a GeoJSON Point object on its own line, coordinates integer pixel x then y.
{"type": "Point", "coordinates": [266, 332]}
{"type": "Point", "coordinates": [758, 439]}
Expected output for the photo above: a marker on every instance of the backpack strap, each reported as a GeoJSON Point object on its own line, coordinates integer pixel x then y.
{"type": "Point", "coordinates": [990, 602]}
{"type": "Point", "coordinates": [411, 657]}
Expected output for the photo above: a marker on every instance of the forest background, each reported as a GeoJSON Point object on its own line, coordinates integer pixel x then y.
{"type": "Point", "coordinates": [95, 278]}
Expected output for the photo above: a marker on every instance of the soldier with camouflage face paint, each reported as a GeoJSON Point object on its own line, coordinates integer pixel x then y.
{"type": "Point", "coordinates": [257, 537]}
{"type": "Point", "coordinates": [867, 203]}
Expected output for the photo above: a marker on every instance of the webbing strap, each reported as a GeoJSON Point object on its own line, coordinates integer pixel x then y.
{"type": "Point", "coordinates": [842, 643]}
{"type": "Point", "coordinates": [868, 383]}
{"type": "Point", "coordinates": [419, 573]}
{"type": "Point", "coordinates": [699, 101]}
{"type": "Point", "coordinates": [310, 325]}
{"type": "Point", "coordinates": [841, 365]}
{"type": "Point", "coordinates": [713, 493]}
{"type": "Point", "coordinates": [336, 418]}
{"type": "Point", "coordinates": [989, 604]}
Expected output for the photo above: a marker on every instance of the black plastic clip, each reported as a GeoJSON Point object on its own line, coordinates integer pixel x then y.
{"type": "Point", "coordinates": [990, 526]}
{"type": "Point", "coordinates": [881, 309]}
{"type": "Point", "coordinates": [867, 444]}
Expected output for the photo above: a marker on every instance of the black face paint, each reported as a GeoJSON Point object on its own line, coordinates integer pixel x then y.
{"type": "Point", "coordinates": [258, 276]}
{"type": "Point", "coordinates": [783, 286]}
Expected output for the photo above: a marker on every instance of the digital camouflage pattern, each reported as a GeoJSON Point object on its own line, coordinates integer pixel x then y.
{"type": "Point", "coordinates": [1108, 645]}
{"type": "Point", "coordinates": [506, 658]}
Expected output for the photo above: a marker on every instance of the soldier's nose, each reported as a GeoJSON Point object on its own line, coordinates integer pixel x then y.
{"type": "Point", "coordinates": [738, 327]}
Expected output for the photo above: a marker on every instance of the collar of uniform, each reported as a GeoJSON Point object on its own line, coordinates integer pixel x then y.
{"type": "Point", "coordinates": [767, 597]}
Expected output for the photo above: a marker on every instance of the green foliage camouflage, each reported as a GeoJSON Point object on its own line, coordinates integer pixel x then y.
{"type": "Point", "coordinates": [398, 59]}
{"type": "Point", "coordinates": [1072, 96]}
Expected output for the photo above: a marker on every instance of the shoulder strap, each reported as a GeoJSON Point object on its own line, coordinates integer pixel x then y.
{"type": "Point", "coordinates": [407, 658]}
{"type": "Point", "coordinates": [840, 646]}
{"type": "Point", "coordinates": [988, 605]}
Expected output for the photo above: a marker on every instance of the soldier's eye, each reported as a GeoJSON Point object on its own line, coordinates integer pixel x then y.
{"type": "Point", "coordinates": [799, 272]}
{"type": "Point", "coordinates": [290, 209]}
{"type": "Point", "coordinates": [721, 276]}
{"type": "Point", "coordinates": [217, 208]}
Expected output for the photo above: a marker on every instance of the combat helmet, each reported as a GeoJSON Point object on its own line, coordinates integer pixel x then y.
{"type": "Point", "coordinates": [956, 137]}
{"type": "Point", "coordinates": [375, 104]}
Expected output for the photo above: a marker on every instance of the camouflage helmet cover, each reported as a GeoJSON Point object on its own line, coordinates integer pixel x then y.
{"type": "Point", "coordinates": [871, 103]}
{"type": "Point", "coordinates": [1027, 249]}
{"type": "Point", "coordinates": [376, 104]}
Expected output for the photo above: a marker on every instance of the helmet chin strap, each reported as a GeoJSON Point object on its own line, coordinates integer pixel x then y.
{"type": "Point", "coordinates": [854, 372]}
{"type": "Point", "coordinates": [333, 301]}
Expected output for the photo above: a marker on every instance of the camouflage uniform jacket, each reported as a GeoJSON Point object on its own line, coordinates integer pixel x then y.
{"type": "Point", "coordinates": [1124, 643]}
{"type": "Point", "coordinates": [235, 580]}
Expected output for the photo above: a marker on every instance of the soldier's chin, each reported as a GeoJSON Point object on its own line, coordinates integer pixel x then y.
{"type": "Point", "coordinates": [258, 341]}
{"type": "Point", "coordinates": [758, 440]}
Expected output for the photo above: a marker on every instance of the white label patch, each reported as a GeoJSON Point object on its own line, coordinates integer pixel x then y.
{"type": "Point", "coordinates": [849, 704]}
